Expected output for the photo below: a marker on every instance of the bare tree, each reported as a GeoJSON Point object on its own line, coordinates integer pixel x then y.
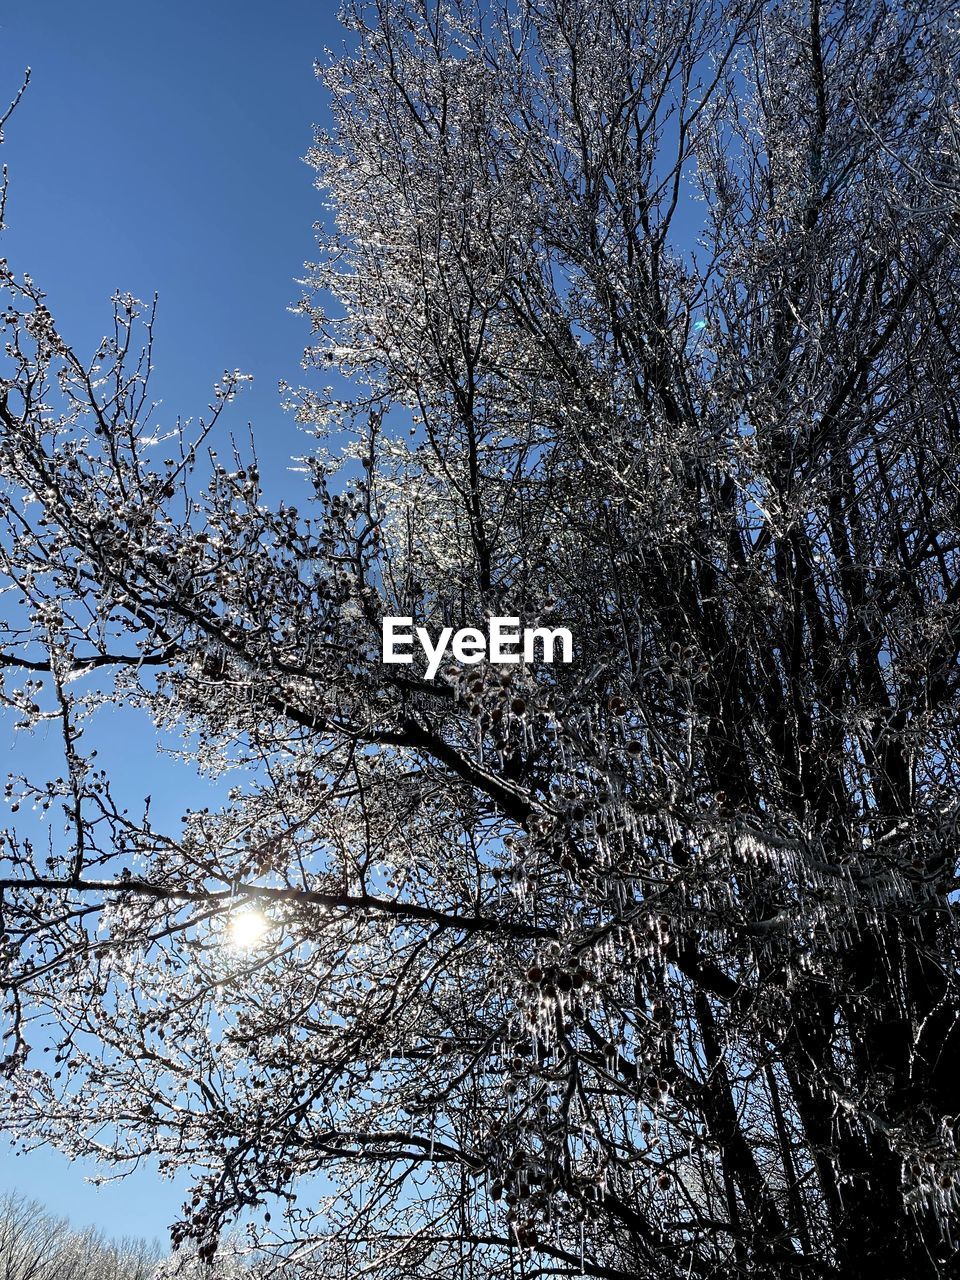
{"type": "Point", "coordinates": [641, 966]}
{"type": "Point", "coordinates": [37, 1245]}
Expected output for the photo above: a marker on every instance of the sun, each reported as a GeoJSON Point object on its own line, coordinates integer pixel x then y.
{"type": "Point", "coordinates": [247, 927]}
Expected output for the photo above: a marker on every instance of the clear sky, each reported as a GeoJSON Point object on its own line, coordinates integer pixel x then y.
{"type": "Point", "coordinates": [159, 148]}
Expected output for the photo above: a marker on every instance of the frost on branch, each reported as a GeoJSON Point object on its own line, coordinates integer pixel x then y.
{"type": "Point", "coordinates": [643, 966]}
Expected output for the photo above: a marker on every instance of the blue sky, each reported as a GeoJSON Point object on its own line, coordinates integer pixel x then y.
{"type": "Point", "coordinates": [159, 148]}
